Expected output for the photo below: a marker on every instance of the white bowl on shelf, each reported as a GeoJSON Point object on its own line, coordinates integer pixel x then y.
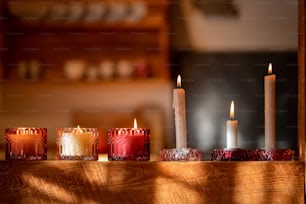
{"type": "Point", "coordinates": [74, 69]}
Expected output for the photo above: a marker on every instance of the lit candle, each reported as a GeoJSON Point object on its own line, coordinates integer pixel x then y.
{"type": "Point", "coordinates": [129, 143]}
{"type": "Point", "coordinates": [179, 106]}
{"type": "Point", "coordinates": [26, 143]}
{"type": "Point", "coordinates": [232, 129]}
{"type": "Point", "coordinates": [77, 143]}
{"type": "Point", "coordinates": [270, 109]}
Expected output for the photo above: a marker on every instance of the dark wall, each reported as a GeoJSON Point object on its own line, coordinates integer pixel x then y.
{"type": "Point", "coordinates": [213, 80]}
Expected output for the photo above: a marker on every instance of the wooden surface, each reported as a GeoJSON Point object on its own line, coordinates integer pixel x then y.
{"type": "Point", "coordinates": [151, 182]}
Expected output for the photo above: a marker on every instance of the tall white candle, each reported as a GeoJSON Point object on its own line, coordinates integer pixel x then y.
{"type": "Point", "coordinates": [179, 106]}
{"type": "Point", "coordinates": [270, 109]}
{"type": "Point", "coordinates": [232, 129]}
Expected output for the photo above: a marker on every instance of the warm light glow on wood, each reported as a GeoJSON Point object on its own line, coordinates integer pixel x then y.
{"type": "Point", "coordinates": [179, 81]}
{"type": "Point", "coordinates": [270, 69]}
{"type": "Point", "coordinates": [232, 111]}
{"type": "Point", "coordinates": [135, 123]}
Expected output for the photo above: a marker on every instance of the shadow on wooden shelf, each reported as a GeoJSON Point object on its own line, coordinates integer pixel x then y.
{"type": "Point", "coordinates": [152, 182]}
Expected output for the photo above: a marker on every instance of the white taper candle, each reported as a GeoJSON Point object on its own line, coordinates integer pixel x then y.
{"type": "Point", "coordinates": [179, 106]}
{"type": "Point", "coordinates": [270, 109]}
{"type": "Point", "coordinates": [232, 130]}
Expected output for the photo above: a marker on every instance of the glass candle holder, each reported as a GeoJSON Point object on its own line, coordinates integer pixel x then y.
{"type": "Point", "coordinates": [77, 144]}
{"type": "Point", "coordinates": [128, 144]}
{"type": "Point", "coordinates": [232, 154]}
{"type": "Point", "coordinates": [26, 143]}
{"type": "Point", "coordinates": [181, 154]}
{"type": "Point", "coordinates": [275, 154]}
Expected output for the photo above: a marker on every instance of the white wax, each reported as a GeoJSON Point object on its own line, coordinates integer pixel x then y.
{"type": "Point", "coordinates": [76, 144]}
{"type": "Point", "coordinates": [270, 111]}
{"type": "Point", "coordinates": [179, 106]}
{"type": "Point", "coordinates": [232, 133]}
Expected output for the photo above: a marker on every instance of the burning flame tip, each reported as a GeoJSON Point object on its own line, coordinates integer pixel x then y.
{"type": "Point", "coordinates": [232, 111]}
{"type": "Point", "coordinates": [270, 68]}
{"type": "Point", "coordinates": [179, 81]}
{"type": "Point", "coordinates": [135, 123]}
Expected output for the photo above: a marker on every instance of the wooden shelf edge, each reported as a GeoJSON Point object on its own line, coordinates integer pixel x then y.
{"type": "Point", "coordinates": [152, 182]}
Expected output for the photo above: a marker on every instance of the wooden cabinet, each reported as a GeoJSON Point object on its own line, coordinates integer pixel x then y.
{"type": "Point", "coordinates": [52, 42]}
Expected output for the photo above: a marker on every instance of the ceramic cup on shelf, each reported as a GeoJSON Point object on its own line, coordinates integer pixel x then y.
{"type": "Point", "coordinates": [124, 69]}
{"type": "Point", "coordinates": [142, 69]}
{"type": "Point", "coordinates": [137, 11]}
{"type": "Point", "coordinates": [94, 11]}
{"type": "Point", "coordinates": [75, 10]}
{"type": "Point", "coordinates": [92, 73]}
{"type": "Point", "coordinates": [35, 71]}
{"type": "Point", "coordinates": [57, 11]}
{"type": "Point", "coordinates": [22, 70]}
{"type": "Point", "coordinates": [106, 69]}
{"type": "Point", "coordinates": [116, 11]}
{"type": "Point", "coordinates": [74, 69]}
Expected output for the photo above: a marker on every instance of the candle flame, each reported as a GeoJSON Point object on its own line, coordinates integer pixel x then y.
{"type": "Point", "coordinates": [270, 69]}
{"type": "Point", "coordinates": [232, 111]}
{"type": "Point", "coordinates": [135, 123]}
{"type": "Point", "coordinates": [77, 130]}
{"type": "Point", "coordinates": [179, 81]}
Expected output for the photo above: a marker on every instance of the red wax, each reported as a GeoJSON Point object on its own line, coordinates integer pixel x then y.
{"type": "Point", "coordinates": [129, 144]}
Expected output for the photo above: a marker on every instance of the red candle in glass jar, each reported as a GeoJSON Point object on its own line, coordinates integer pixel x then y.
{"type": "Point", "coordinates": [129, 144]}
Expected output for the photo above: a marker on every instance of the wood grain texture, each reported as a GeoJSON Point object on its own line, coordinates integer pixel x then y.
{"type": "Point", "coordinates": [151, 182]}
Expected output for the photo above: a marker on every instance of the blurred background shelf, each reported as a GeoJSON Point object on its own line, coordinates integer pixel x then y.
{"type": "Point", "coordinates": [132, 31]}
{"type": "Point", "coordinates": [149, 25]}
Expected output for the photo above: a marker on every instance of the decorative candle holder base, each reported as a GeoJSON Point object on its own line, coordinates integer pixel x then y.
{"type": "Point", "coordinates": [276, 154]}
{"type": "Point", "coordinates": [181, 154]}
{"type": "Point", "coordinates": [234, 154]}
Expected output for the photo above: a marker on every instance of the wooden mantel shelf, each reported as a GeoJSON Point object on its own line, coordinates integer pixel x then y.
{"type": "Point", "coordinates": [151, 182]}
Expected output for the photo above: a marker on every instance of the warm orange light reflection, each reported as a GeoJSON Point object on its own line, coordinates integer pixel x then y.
{"type": "Point", "coordinates": [270, 69]}
{"type": "Point", "coordinates": [135, 123]}
{"type": "Point", "coordinates": [179, 81]}
{"type": "Point", "coordinates": [232, 111]}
